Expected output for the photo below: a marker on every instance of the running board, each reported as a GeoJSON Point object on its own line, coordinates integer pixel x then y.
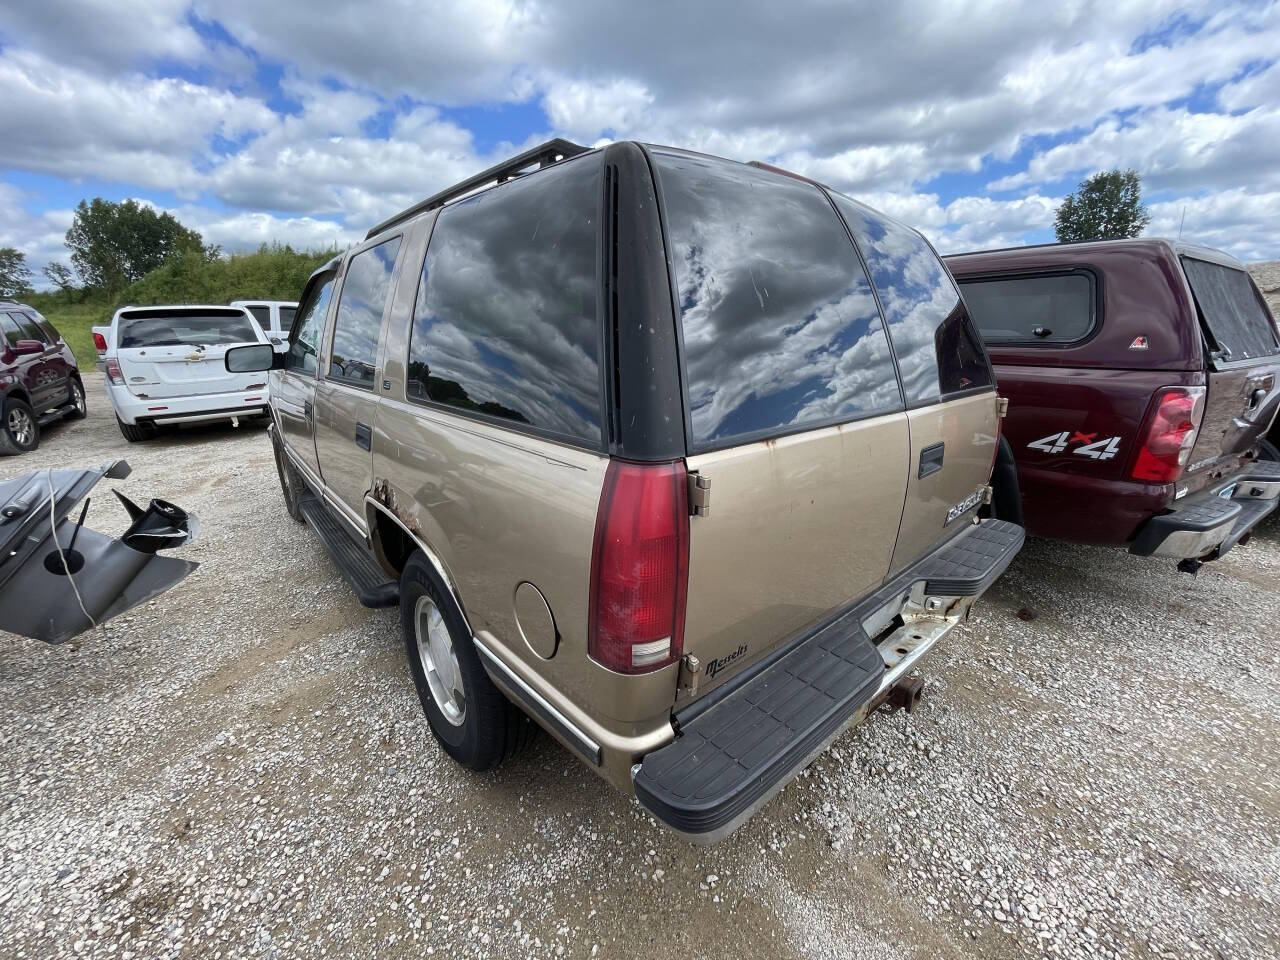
{"type": "Point", "coordinates": [353, 559]}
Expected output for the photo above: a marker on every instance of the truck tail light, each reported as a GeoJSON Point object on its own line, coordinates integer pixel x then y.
{"type": "Point", "coordinates": [100, 343]}
{"type": "Point", "coordinates": [113, 372]}
{"type": "Point", "coordinates": [1168, 435]}
{"type": "Point", "coordinates": [640, 567]}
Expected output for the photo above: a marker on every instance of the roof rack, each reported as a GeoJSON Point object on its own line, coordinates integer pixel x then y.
{"type": "Point", "coordinates": [543, 155]}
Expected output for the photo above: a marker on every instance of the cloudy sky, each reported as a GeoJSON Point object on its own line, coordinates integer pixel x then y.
{"type": "Point", "coordinates": [255, 120]}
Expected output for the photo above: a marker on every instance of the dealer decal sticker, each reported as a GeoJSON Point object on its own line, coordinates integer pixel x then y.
{"type": "Point", "coordinates": [1089, 445]}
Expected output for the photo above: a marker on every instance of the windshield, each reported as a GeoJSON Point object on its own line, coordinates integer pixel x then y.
{"type": "Point", "coordinates": [177, 331]}
{"type": "Point", "coordinates": [1237, 321]}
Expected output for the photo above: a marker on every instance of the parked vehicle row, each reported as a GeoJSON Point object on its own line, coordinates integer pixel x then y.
{"type": "Point", "coordinates": [39, 379]}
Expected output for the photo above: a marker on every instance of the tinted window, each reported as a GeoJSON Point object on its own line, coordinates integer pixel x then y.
{"type": "Point", "coordinates": [305, 344]}
{"type": "Point", "coordinates": [781, 329]}
{"type": "Point", "coordinates": [286, 318]}
{"type": "Point", "coordinates": [1232, 310]}
{"type": "Point", "coordinates": [11, 331]}
{"type": "Point", "coordinates": [262, 315]}
{"type": "Point", "coordinates": [365, 289]}
{"type": "Point", "coordinates": [938, 352]}
{"type": "Point", "coordinates": [1052, 309]}
{"type": "Point", "coordinates": [505, 322]}
{"type": "Point", "coordinates": [30, 329]}
{"type": "Point", "coordinates": [180, 330]}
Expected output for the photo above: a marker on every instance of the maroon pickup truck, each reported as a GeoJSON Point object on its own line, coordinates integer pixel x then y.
{"type": "Point", "coordinates": [1142, 378]}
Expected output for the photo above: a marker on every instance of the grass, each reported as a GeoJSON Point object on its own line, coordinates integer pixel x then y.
{"type": "Point", "coordinates": [73, 321]}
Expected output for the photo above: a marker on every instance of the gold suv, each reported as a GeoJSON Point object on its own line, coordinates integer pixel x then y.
{"type": "Point", "coordinates": [682, 458]}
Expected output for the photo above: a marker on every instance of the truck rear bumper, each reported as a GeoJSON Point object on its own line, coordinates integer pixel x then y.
{"type": "Point", "coordinates": [740, 745]}
{"type": "Point", "coordinates": [1206, 526]}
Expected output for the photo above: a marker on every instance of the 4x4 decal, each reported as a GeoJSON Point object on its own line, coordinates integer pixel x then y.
{"type": "Point", "coordinates": [1103, 449]}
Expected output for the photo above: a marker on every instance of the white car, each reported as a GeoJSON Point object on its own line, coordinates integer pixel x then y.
{"type": "Point", "coordinates": [164, 366]}
{"type": "Point", "coordinates": [274, 316]}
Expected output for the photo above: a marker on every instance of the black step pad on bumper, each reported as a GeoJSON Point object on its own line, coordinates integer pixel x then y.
{"type": "Point", "coordinates": [730, 756]}
{"type": "Point", "coordinates": [971, 563]}
{"type": "Point", "coordinates": [353, 559]}
{"type": "Point", "coordinates": [1202, 515]}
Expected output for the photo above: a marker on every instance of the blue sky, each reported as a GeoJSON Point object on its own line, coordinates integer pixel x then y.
{"type": "Point", "coordinates": [255, 122]}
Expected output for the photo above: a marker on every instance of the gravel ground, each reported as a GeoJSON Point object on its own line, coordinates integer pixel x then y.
{"type": "Point", "coordinates": [241, 768]}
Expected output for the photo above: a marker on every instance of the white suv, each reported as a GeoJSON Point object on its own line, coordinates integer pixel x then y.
{"type": "Point", "coordinates": [274, 316]}
{"type": "Point", "coordinates": [164, 366]}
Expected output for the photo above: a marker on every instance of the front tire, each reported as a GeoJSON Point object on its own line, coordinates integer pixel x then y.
{"type": "Point", "coordinates": [79, 409]}
{"type": "Point", "coordinates": [290, 483]}
{"type": "Point", "coordinates": [469, 717]}
{"type": "Point", "coordinates": [20, 428]}
{"type": "Point", "coordinates": [136, 432]}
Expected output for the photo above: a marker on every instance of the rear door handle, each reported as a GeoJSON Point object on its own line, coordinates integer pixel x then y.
{"type": "Point", "coordinates": [364, 436]}
{"type": "Point", "coordinates": [931, 460]}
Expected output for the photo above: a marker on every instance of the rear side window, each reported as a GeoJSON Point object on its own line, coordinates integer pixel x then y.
{"type": "Point", "coordinates": [505, 323]}
{"type": "Point", "coordinates": [286, 318]}
{"type": "Point", "coordinates": [365, 290]}
{"type": "Point", "coordinates": [938, 351]}
{"type": "Point", "coordinates": [262, 315]}
{"type": "Point", "coordinates": [1236, 319]}
{"type": "Point", "coordinates": [1056, 308]}
{"type": "Point", "coordinates": [30, 329]}
{"type": "Point", "coordinates": [781, 329]}
{"type": "Point", "coordinates": [304, 346]}
{"type": "Point", "coordinates": [182, 330]}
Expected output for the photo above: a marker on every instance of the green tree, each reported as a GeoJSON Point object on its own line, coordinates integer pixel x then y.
{"type": "Point", "coordinates": [60, 275]}
{"type": "Point", "coordinates": [114, 244]}
{"type": "Point", "coordinates": [15, 276]}
{"type": "Point", "coordinates": [1107, 206]}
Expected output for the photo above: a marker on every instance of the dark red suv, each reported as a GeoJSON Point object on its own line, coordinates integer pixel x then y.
{"type": "Point", "coordinates": [1142, 378]}
{"type": "Point", "coordinates": [39, 379]}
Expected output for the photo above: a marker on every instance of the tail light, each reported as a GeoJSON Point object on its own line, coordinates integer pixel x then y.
{"type": "Point", "coordinates": [100, 343]}
{"type": "Point", "coordinates": [1170, 432]}
{"type": "Point", "coordinates": [113, 372]}
{"type": "Point", "coordinates": [640, 567]}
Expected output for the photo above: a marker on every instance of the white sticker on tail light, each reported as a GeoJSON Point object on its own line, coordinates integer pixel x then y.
{"type": "Point", "coordinates": [1089, 446]}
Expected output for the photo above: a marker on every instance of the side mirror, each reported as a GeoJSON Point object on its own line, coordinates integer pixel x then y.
{"type": "Point", "coordinates": [252, 358]}
{"type": "Point", "coordinates": [25, 348]}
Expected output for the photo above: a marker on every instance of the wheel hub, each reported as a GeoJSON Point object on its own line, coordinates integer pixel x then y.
{"type": "Point", "coordinates": [439, 660]}
{"type": "Point", "coordinates": [20, 427]}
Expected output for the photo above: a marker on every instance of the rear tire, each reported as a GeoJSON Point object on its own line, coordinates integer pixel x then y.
{"type": "Point", "coordinates": [1268, 451]}
{"type": "Point", "coordinates": [136, 432]}
{"type": "Point", "coordinates": [20, 427]}
{"type": "Point", "coordinates": [290, 483]}
{"type": "Point", "coordinates": [470, 718]}
{"type": "Point", "coordinates": [79, 409]}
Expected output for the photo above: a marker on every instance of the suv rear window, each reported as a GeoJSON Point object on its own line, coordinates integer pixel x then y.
{"type": "Point", "coordinates": [938, 351]}
{"type": "Point", "coordinates": [505, 323]}
{"type": "Point", "coordinates": [1237, 320]}
{"type": "Point", "coordinates": [781, 329]}
{"type": "Point", "coordinates": [179, 330]}
{"type": "Point", "coordinates": [1056, 308]}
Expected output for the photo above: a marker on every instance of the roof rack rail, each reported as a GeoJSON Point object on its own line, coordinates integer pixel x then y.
{"type": "Point", "coordinates": [543, 155]}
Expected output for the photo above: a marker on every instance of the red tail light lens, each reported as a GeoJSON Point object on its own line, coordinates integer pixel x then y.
{"type": "Point", "coordinates": [640, 567]}
{"type": "Point", "coordinates": [1171, 428]}
{"type": "Point", "coordinates": [100, 343]}
{"type": "Point", "coordinates": [113, 372]}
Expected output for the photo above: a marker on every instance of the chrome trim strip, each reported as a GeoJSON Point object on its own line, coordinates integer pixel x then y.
{"type": "Point", "coordinates": [538, 705]}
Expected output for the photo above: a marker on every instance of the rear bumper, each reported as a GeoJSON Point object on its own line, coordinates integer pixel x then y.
{"type": "Point", "coordinates": [1207, 525]}
{"type": "Point", "coordinates": [740, 745]}
{"type": "Point", "coordinates": [132, 409]}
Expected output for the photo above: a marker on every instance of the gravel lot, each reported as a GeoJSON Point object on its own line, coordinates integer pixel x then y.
{"type": "Point", "coordinates": [241, 768]}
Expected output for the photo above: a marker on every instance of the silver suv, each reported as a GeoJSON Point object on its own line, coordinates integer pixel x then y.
{"type": "Point", "coordinates": [679, 457]}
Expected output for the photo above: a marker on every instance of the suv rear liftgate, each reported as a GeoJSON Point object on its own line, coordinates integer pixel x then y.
{"type": "Point", "coordinates": [740, 745]}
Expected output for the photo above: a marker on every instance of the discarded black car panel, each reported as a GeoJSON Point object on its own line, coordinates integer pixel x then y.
{"type": "Point", "coordinates": [59, 578]}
